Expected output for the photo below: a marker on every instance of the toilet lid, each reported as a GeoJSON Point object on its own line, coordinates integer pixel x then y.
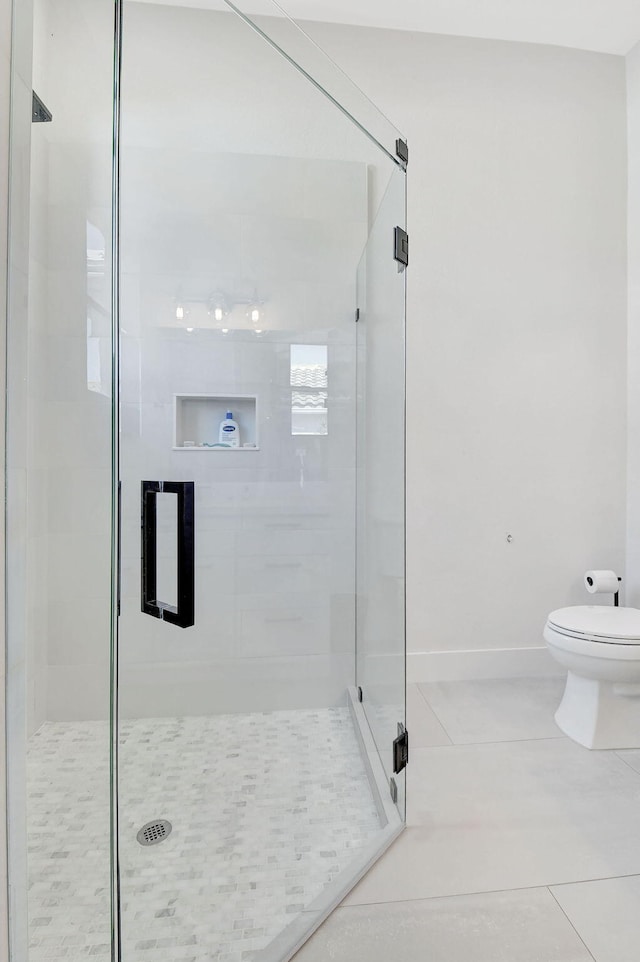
{"type": "Point", "coordinates": [600, 622]}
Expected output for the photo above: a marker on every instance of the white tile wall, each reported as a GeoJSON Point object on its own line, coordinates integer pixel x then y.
{"type": "Point", "coordinates": [274, 529]}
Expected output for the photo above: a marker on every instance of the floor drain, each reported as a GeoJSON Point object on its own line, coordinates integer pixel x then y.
{"type": "Point", "coordinates": [154, 832]}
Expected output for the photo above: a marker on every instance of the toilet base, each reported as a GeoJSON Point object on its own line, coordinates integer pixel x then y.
{"type": "Point", "coordinates": [600, 714]}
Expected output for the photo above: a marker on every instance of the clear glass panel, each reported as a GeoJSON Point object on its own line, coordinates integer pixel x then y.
{"type": "Point", "coordinates": [246, 199]}
{"type": "Point", "coordinates": [296, 44]}
{"type": "Point", "coordinates": [380, 491]}
{"type": "Point", "coordinates": [59, 402]}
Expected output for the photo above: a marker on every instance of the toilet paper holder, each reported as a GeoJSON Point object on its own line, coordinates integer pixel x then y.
{"type": "Point", "coordinates": [616, 597]}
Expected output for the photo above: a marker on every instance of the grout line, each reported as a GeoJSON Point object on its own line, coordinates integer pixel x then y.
{"type": "Point", "coordinates": [498, 891]}
{"type": "Point", "coordinates": [505, 741]}
{"type": "Point", "coordinates": [603, 878]}
{"type": "Point", "coordinates": [623, 759]}
{"type": "Point", "coordinates": [571, 923]}
{"type": "Point", "coordinates": [421, 694]}
{"type": "Point", "coordinates": [434, 712]}
{"type": "Point", "coordinates": [455, 895]}
{"type": "Point", "coordinates": [502, 741]}
{"type": "Point", "coordinates": [416, 685]}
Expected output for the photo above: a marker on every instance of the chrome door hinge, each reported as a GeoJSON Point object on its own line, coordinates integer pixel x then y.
{"type": "Point", "coordinates": [400, 749]}
{"type": "Point", "coordinates": [402, 151]}
{"type": "Point", "coordinates": [401, 247]}
{"type": "Point", "coordinates": [40, 114]}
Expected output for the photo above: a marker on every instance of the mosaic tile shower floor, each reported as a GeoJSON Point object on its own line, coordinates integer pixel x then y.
{"type": "Point", "coordinates": [266, 810]}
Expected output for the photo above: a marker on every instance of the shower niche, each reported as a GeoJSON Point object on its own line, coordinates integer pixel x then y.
{"type": "Point", "coordinates": [197, 419]}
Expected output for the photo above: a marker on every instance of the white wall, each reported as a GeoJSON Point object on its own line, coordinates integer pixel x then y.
{"type": "Point", "coordinates": [517, 325]}
{"type": "Point", "coordinates": [633, 482]}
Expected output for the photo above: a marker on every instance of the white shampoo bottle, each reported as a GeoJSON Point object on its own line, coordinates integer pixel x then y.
{"type": "Point", "coordinates": [229, 433]}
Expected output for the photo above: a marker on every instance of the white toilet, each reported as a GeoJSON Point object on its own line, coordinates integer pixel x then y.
{"type": "Point", "coordinates": [600, 647]}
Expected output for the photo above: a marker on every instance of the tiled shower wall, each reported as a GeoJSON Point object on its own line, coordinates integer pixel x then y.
{"type": "Point", "coordinates": [275, 526]}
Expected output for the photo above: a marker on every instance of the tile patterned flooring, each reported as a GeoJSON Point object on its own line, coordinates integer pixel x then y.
{"type": "Point", "coordinates": [266, 810]}
{"type": "Point", "coordinates": [521, 846]}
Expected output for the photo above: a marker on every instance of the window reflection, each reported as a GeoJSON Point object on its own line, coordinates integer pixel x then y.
{"type": "Point", "coordinates": [308, 377]}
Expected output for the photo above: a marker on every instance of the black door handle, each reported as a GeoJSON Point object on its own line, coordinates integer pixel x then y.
{"type": "Point", "coordinates": [182, 614]}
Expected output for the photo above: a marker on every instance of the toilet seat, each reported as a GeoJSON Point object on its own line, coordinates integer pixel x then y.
{"type": "Point", "coordinates": [597, 625]}
{"type": "Point", "coordinates": [596, 649]}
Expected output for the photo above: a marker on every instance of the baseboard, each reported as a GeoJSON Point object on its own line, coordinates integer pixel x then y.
{"type": "Point", "coordinates": [426, 666]}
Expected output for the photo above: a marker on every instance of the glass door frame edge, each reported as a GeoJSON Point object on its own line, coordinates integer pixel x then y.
{"type": "Point", "coordinates": [294, 63]}
{"type": "Point", "coordinates": [114, 850]}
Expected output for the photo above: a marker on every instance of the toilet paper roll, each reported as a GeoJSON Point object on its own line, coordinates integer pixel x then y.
{"type": "Point", "coordinates": [599, 582]}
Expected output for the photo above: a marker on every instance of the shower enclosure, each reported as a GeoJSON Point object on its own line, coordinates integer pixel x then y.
{"type": "Point", "coordinates": [206, 651]}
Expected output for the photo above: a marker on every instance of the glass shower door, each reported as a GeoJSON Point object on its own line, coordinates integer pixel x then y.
{"type": "Point", "coordinates": [246, 809]}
